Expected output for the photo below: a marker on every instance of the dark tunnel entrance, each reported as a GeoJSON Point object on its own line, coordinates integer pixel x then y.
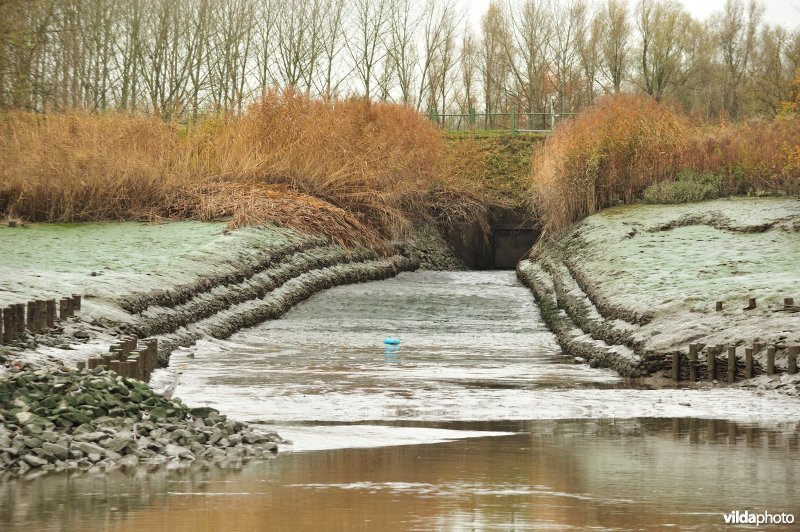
{"type": "Point", "coordinates": [512, 233]}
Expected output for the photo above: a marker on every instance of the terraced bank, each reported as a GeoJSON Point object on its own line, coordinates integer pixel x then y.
{"type": "Point", "coordinates": [629, 287]}
{"type": "Point", "coordinates": [175, 282]}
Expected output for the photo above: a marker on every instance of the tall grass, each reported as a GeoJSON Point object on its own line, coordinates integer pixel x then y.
{"type": "Point", "coordinates": [605, 156]}
{"type": "Point", "coordinates": [612, 153]}
{"type": "Point", "coordinates": [350, 170]}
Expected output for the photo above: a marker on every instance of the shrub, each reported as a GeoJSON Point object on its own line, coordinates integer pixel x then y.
{"type": "Point", "coordinates": [688, 187]}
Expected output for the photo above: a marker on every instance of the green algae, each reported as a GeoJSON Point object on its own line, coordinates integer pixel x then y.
{"type": "Point", "coordinates": [645, 256]}
{"type": "Point", "coordinates": [110, 259]}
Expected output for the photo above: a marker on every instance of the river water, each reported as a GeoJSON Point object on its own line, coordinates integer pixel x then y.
{"type": "Point", "coordinates": [474, 421]}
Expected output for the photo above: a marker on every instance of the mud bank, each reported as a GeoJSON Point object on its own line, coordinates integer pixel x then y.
{"type": "Point", "coordinates": [631, 286]}
{"type": "Point", "coordinates": [175, 282]}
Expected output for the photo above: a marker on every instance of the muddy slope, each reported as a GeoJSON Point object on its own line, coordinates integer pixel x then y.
{"type": "Point", "coordinates": [175, 282]}
{"type": "Point", "coordinates": [629, 287]}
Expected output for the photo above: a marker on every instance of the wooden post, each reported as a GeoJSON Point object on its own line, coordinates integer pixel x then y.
{"type": "Point", "coordinates": [41, 315]}
{"type": "Point", "coordinates": [693, 362]}
{"type": "Point", "coordinates": [731, 364]}
{"type": "Point", "coordinates": [771, 360]}
{"type": "Point", "coordinates": [757, 346]}
{"type": "Point", "coordinates": [792, 354]}
{"type": "Point", "coordinates": [152, 345]}
{"type": "Point", "coordinates": [31, 316]}
{"type": "Point", "coordinates": [114, 366]}
{"type": "Point", "coordinates": [51, 313]}
{"type": "Point", "coordinates": [710, 353]}
{"type": "Point", "coordinates": [133, 365]}
{"type": "Point", "coordinates": [719, 306]}
{"type": "Point", "coordinates": [676, 366]}
{"type": "Point", "coordinates": [748, 362]}
{"type": "Point", "coordinates": [92, 363]}
{"type": "Point", "coordinates": [15, 321]}
{"type": "Point", "coordinates": [76, 301]}
{"type": "Point", "coordinates": [20, 318]}
{"type": "Point", "coordinates": [136, 358]}
{"type": "Point", "coordinates": [63, 309]}
{"type": "Point", "coordinates": [751, 303]}
{"type": "Point", "coordinates": [788, 302]}
{"type": "Point", "coordinates": [9, 327]}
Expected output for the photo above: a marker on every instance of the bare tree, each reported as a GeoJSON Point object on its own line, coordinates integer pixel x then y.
{"type": "Point", "coordinates": [493, 65]}
{"type": "Point", "coordinates": [334, 41]}
{"type": "Point", "coordinates": [570, 24]}
{"type": "Point", "coordinates": [590, 58]}
{"type": "Point", "coordinates": [366, 47]}
{"type": "Point", "coordinates": [737, 36]}
{"type": "Point", "coordinates": [664, 30]}
{"type": "Point", "coordinates": [469, 66]}
{"type": "Point", "coordinates": [614, 42]}
{"type": "Point", "coordinates": [440, 54]}
{"type": "Point", "coordinates": [526, 51]}
{"type": "Point", "coordinates": [404, 23]}
{"type": "Point", "coordinates": [775, 65]}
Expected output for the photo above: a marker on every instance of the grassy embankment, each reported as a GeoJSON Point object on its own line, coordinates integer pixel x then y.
{"type": "Point", "coordinates": [628, 149]}
{"type": "Point", "coordinates": [358, 173]}
{"type": "Point", "coordinates": [499, 165]}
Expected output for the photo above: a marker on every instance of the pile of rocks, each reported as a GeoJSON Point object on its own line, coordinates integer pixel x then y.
{"type": "Point", "coordinates": [61, 419]}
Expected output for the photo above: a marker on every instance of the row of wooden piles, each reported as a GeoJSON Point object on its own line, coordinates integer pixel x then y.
{"type": "Point", "coordinates": [128, 358]}
{"type": "Point", "coordinates": [734, 367]}
{"type": "Point", "coordinates": [35, 317]}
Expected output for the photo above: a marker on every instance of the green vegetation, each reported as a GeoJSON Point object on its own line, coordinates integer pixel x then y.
{"type": "Point", "coordinates": [688, 187]}
{"type": "Point", "coordinates": [496, 166]}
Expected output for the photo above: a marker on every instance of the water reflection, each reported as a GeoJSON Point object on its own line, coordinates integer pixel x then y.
{"type": "Point", "coordinates": [391, 354]}
{"type": "Point", "coordinates": [607, 473]}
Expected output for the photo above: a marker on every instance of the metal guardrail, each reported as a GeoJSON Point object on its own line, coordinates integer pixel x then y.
{"type": "Point", "coordinates": [513, 122]}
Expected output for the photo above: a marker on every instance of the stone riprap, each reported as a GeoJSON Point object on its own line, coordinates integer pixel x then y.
{"type": "Point", "coordinates": [59, 419]}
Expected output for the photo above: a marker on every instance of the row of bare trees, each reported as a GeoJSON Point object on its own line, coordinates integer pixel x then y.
{"type": "Point", "coordinates": [574, 51]}
{"type": "Point", "coordinates": [179, 58]}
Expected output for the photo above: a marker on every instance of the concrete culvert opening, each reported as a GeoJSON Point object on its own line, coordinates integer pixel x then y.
{"type": "Point", "coordinates": [512, 232]}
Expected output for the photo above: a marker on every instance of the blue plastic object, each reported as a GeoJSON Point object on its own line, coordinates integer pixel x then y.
{"type": "Point", "coordinates": [392, 341]}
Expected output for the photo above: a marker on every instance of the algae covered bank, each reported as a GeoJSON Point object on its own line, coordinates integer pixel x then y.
{"type": "Point", "coordinates": [633, 287]}
{"type": "Point", "coordinates": [170, 284]}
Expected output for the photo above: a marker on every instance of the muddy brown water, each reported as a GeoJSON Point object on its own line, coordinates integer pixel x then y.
{"type": "Point", "coordinates": [470, 424]}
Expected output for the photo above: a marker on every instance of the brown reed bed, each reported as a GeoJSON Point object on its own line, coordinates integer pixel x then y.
{"type": "Point", "coordinates": [613, 152]}
{"type": "Point", "coordinates": [354, 171]}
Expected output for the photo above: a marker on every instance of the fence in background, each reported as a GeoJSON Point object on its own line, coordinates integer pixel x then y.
{"type": "Point", "coordinates": [512, 122]}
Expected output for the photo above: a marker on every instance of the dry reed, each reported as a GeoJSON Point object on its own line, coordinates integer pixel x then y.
{"type": "Point", "coordinates": [611, 153]}
{"type": "Point", "coordinates": [354, 171]}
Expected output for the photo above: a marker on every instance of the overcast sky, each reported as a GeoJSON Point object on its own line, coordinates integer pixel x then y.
{"type": "Point", "coordinates": [783, 12]}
